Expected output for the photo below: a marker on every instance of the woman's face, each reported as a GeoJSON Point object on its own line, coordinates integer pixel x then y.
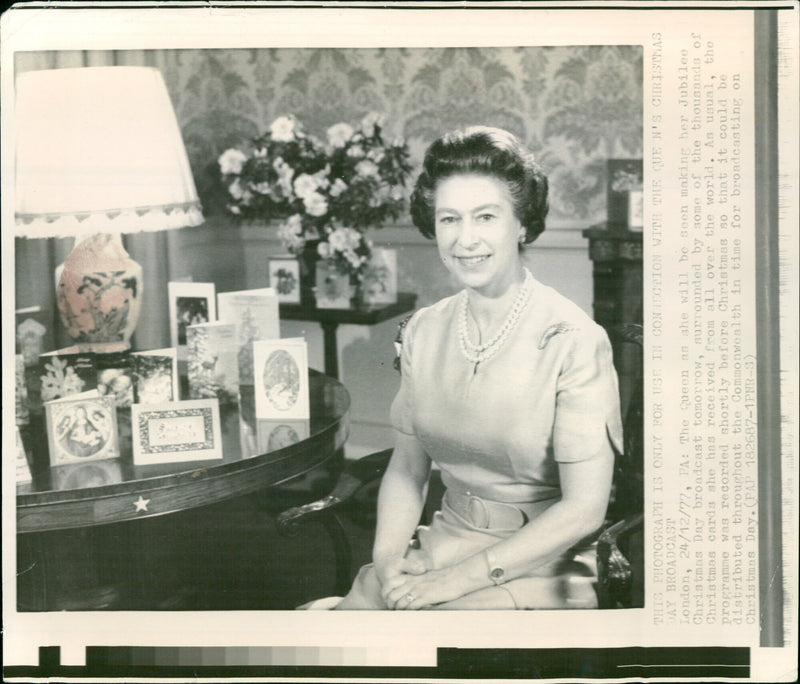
{"type": "Point", "coordinates": [477, 232]}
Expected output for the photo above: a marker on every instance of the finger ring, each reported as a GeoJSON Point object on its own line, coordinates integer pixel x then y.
{"type": "Point", "coordinates": [408, 598]}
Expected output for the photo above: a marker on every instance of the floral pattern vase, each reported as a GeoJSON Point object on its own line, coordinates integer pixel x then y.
{"type": "Point", "coordinates": [99, 294]}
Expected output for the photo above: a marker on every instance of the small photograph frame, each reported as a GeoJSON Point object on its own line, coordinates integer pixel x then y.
{"type": "Point", "coordinates": [379, 282]}
{"type": "Point", "coordinates": [284, 278]}
{"type": "Point", "coordinates": [623, 177]}
{"type": "Point", "coordinates": [333, 288]}
{"type": "Point", "coordinates": [176, 432]}
{"type": "Point", "coordinates": [281, 379]}
{"type": "Point", "coordinates": [189, 304]}
{"type": "Point", "coordinates": [82, 429]}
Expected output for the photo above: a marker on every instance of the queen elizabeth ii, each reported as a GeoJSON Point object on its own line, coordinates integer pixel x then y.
{"type": "Point", "coordinates": [509, 388]}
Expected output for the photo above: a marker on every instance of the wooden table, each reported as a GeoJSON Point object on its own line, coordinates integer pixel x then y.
{"type": "Point", "coordinates": [330, 319]}
{"type": "Point", "coordinates": [98, 495]}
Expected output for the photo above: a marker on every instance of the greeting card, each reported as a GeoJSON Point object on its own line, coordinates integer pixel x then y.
{"type": "Point", "coordinates": [213, 366]}
{"type": "Point", "coordinates": [281, 379]}
{"type": "Point", "coordinates": [176, 432]}
{"type": "Point", "coordinates": [255, 315]}
{"type": "Point", "coordinates": [67, 371]}
{"type": "Point", "coordinates": [155, 376]}
{"type": "Point", "coordinates": [81, 428]}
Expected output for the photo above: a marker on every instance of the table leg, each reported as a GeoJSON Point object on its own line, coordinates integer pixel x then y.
{"type": "Point", "coordinates": [331, 350]}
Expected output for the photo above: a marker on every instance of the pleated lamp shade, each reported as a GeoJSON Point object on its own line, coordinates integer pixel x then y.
{"type": "Point", "coordinates": [99, 153]}
{"type": "Point", "coordinates": [99, 149]}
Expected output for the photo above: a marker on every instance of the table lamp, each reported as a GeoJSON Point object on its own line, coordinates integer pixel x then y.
{"type": "Point", "coordinates": [99, 153]}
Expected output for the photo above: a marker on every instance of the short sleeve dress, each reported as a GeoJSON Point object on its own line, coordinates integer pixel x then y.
{"type": "Point", "coordinates": [498, 429]}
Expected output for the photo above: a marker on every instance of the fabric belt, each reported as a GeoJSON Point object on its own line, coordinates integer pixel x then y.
{"type": "Point", "coordinates": [486, 514]}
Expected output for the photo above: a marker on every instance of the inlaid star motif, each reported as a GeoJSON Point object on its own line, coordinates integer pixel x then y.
{"type": "Point", "coordinates": [141, 504]}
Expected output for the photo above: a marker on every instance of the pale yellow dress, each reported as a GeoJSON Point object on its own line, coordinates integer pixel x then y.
{"type": "Point", "coordinates": [497, 431]}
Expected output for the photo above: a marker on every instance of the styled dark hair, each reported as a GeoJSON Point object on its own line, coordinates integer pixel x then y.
{"type": "Point", "coordinates": [486, 151]}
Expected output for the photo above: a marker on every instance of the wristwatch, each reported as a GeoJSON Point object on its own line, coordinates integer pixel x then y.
{"type": "Point", "coordinates": [496, 572]}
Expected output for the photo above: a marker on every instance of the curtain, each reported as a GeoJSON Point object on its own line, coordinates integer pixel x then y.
{"type": "Point", "coordinates": [36, 259]}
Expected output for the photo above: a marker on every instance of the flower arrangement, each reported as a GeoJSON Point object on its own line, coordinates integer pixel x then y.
{"type": "Point", "coordinates": [329, 191]}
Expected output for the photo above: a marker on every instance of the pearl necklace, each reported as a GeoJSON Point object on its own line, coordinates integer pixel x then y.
{"type": "Point", "coordinates": [481, 353]}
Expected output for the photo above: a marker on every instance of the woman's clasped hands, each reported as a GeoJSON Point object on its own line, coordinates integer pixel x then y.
{"type": "Point", "coordinates": [407, 584]}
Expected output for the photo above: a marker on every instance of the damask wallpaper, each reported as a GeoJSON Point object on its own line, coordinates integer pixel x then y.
{"type": "Point", "coordinates": [574, 106]}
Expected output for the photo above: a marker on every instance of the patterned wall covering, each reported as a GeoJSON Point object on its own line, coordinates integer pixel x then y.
{"type": "Point", "coordinates": [574, 106]}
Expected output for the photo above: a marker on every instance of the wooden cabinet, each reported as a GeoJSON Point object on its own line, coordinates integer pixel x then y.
{"type": "Point", "coordinates": [617, 281]}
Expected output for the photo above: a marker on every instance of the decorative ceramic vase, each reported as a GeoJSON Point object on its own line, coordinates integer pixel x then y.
{"type": "Point", "coordinates": [99, 294]}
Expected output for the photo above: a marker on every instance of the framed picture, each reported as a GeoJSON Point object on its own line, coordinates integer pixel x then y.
{"type": "Point", "coordinates": [176, 432]}
{"type": "Point", "coordinates": [281, 379]}
{"type": "Point", "coordinates": [81, 429]}
{"type": "Point", "coordinates": [623, 176]}
{"type": "Point", "coordinates": [284, 278]}
{"type": "Point", "coordinates": [379, 282]}
{"type": "Point", "coordinates": [333, 288]}
{"type": "Point", "coordinates": [189, 304]}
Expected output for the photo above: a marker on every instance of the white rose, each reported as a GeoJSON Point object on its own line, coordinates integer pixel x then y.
{"type": "Point", "coordinates": [304, 185]}
{"type": "Point", "coordinates": [295, 223]}
{"type": "Point", "coordinates": [356, 151]}
{"type": "Point", "coordinates": [339, 134]}
{"type": "Point", "coordinates": [352, 237]}
{"type": "Point", "coordinates": [315, 204]}
{"type": "Point", "coordinates": [285, 175]}
{"type": "Point", "coordinates": [369, 122]}
{"type": "Point", "coordinates": [290, 233]}
{"type": "Point", "coordinates": [376, 154]}
{"type": "Point", "coordinates": [283, 129]}
{"type": "Point", "coordinates": [236, 190]}
{"type": "Point", "coordinates": [324, 250]}
{"type": "Point", "coordinates": [338, 240]}
{"type": "Point", "coordinates": [234, 209]}
{"type": "Point", "coordinates": [338, 187]}
{"type": "Point", "coordinates": [232, 161]}
{"type": "Point", "coordinates": [367, 168]}
{"type": "Point", "coordinates": [262, 188]}
{"type": "Point", "coordinates": [321, 177]}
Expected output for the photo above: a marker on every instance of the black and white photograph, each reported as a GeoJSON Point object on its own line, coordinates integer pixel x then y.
{"type": "Point", "coordinates": [495, 306]}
